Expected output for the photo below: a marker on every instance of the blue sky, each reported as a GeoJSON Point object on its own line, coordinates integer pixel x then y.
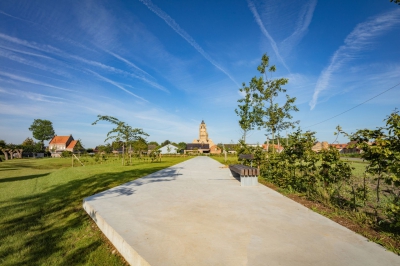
{"type": "Point", "coordinates": [164, 66]}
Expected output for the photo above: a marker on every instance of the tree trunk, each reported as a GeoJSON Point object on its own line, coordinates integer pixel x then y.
{"type": "Point", "coordinates": [5, 153]}
{"type": "Point", "coordinates": [273, 142]}
{"type": "Point", "coordinates": [10, 151]}
{"type": "Point", "coordinates": [278, 142]}
{"type": "Point", "coordinates": [123, 154]}
{"type": "Point", "coordinates": [19, 152]}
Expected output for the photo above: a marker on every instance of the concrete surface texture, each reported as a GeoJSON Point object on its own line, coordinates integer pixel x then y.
{"type": "Point", "coordinates": [196, 213]}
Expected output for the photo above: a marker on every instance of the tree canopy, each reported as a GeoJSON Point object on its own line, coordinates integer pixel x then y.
{"type": "Point", "coordinates": [260, 106]}
{"type": "Point", "coordinates": [42, 129]}
{"type": "Point", "coordinates": [122, 132]}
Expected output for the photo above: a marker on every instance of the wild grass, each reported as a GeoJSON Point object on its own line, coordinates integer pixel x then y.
{"type": "Point", "coordinates": [42, 221]}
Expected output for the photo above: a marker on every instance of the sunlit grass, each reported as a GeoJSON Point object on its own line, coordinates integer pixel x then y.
{"type": "Point", "coordinates": [42, 221]}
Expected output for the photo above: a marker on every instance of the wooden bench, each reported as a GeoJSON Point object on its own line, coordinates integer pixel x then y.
{"type": "Point", "coordinates": [248, 174]}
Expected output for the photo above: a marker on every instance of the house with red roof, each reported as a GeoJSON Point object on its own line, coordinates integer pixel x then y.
{"type": "Point", "coordinates": [58, 144]}
{"type": "Point", "coordinates": [340, 147]}
{"type": "Point", "coordinates": [276, 147]}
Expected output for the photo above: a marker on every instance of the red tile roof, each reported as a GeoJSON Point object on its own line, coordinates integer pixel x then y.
{"type": "Point", "coordinates": [339, 146]}
{"type": "Point", "coordinates": [72, 144]}
{"type": "Point", "coordinates": [59, 139]}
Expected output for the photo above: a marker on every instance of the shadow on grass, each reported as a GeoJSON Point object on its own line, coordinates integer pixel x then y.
{"type": "Point", "coordinates": [21, 178]}
{"type": "Point", "coordinates": [37, 229]}
{"type": "Point", "coordinates": [8, 169]}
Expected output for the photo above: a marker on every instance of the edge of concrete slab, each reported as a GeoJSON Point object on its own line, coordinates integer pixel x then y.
{"type": "Point", "coordinates": [126, 250]}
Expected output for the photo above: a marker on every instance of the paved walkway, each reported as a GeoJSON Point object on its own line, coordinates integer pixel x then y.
{"type": "Point", "coordinates": [196, 213]}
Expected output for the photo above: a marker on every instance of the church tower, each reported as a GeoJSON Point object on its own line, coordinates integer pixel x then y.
{"type": "Point", "coordinates": [203, 135]}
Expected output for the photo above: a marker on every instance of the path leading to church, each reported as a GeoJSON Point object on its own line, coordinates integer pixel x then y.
{"type": "Point", "coordinates": [196, 213]}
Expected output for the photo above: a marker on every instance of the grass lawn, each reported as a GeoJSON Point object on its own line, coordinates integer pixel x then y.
{"type": "Point", "coordinates": [42, 221]}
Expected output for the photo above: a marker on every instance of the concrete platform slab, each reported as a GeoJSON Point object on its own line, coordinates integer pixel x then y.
{"type": "Point", "coordinates": [196, 213]}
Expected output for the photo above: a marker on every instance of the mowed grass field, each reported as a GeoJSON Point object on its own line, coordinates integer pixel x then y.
{"type": "Point", "coordinates": [42, 221]}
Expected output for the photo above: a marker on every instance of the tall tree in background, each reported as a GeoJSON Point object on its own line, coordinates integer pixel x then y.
{"type": "Point", "coordinates": [42, 130]}
{"type": "Point", "coordinates": [261, 95]}
{"type": "Point", "coordinates": [122, 132]}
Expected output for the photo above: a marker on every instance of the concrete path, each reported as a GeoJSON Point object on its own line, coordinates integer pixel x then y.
{"type": "Point", "coordinates": [196, 213]}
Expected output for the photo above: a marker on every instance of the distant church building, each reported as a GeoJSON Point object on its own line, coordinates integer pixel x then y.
{"type": "Point", "coordinates": [203, 144]}
{"type": "Point", "coordinates": [203, 135]}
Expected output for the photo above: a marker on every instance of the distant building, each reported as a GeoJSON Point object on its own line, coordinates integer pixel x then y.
{"type": "Point", "coordinates": [277, 148]}
{"type": "Point", "coordinates": [342, 148]}
{"type": "Point", "coordinates": [203, 135]}
{"type": "Point", "coordinates": [169, 149]}
{"type": "Point", "coordinates": [58, 144]}
{"type": "Point", "coordinates": [318, 146]}
{"type": "Point", "coordinates": [197, 148]}
{"type": "Point", "coordinates": [203, 144]}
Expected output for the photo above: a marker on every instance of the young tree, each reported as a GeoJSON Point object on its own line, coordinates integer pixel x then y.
{"type": "Point", "coordinates": [28, 142]}
{"type": "Point", "coordinates": [244, 112]}
{"type": "Point", "coordinates": [123, 132]}
{"type": "Point", "coordinates": [42, 130]}
{"type": "Point", "coordinates": [140, 145]}
{"type": "Point", "coordinates": [261, 107]}
{"type": "Point", "coordinates": [79, 147]}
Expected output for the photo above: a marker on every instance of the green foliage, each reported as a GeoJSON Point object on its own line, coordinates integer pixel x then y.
{"type": "Point", "coordinates": [245, 111]}
{"type": "Point", "coordinates": [259, 106]}
{"type": "Point", "coordinates": [42, 129]}
{"type": "Point", "coordinates": [122, 132]}
{"type": "Point", "coordinates": [153, 143]}
{"type": "Point", "coordinates": [165, 143]}
{"type": "Point", "coordinates": [28, 142]}
{"type": "Point", "coordinates": [79, 147]}
{"type": "Point", "coordinates": [36, 147]}
{"type": "Point", "coordinates": [66, 154]}
{"type": "Point", "coordinates": [105, 148]}
{"type": "Point", "coordinates": [139, 145]}
{"type": "Point", "coordinates": [182, 145]}
{"type": "Point", "coordinates": [155, 155]}
{"type": "Point", "coordinates": [3, 144]}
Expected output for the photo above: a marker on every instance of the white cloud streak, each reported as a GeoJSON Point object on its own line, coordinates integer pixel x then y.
{"type": "Point", "coordinates": [304, 21]}
{"type": "Point", "coordinates": [253, 10]}
{"type": "Point", "coordinates": [115, 84]}
{"type": "Point", "coordinates": [31, 81]}
{"type": "Point", "coordinates": [355, 42]}
{"type": "Point", "coordinates": [55, 51]}
{"type": "Point", "coordinates": [171, 22]}
{"type": "Point", "coordinates": [128, 63]}
{"type": "Point", "coordinates": [33, 96]}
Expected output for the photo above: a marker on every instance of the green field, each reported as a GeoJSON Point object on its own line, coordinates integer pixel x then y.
{"type": "Point", "coordinates": [42, 221]}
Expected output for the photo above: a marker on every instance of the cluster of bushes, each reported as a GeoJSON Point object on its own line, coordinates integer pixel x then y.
{"type": "Point", "coordinates": [326, 178]}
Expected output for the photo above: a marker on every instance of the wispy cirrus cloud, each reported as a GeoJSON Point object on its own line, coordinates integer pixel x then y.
{"type": "Point", "coordinates": [115, 84]}
{"type": "Point", "coordinates": [301, 28]}
{"type": "Point", "coordinates": [129, 63]}
{"type": "Point", "coordinates": [175, 26]}
{"type": "Point", "coordinates": [31, 81]}
{"type": "Point", "coordinates": [33, 96]}
{"type": "Point", "coordinates": [58, 52]}
{"type": "Point", "coordinates": [358, 40]}
{"type": "Point", "coordinates": [33, 63]}
{"type": "Point", "coordinates": [253, 10]}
